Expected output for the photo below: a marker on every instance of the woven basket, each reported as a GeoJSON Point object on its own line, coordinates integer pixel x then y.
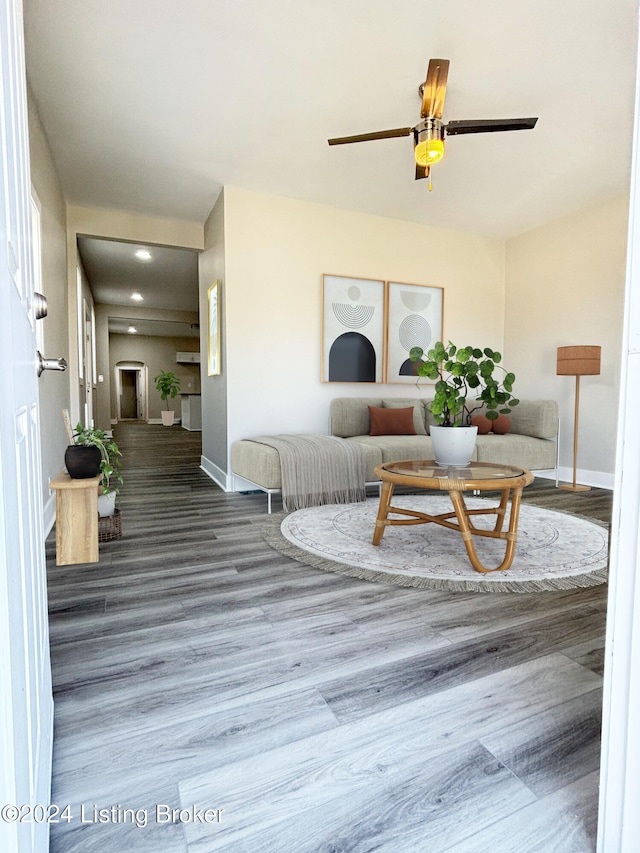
{"type": "Point", "coordinates": [110, 527]}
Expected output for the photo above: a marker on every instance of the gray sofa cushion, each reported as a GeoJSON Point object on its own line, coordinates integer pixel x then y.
{"type": "Point", "coordinates": [397, 448]}
{"type": "Point", "coordinates": [350, 416]}
{"type": "Point", "coordinates": [536, 418]}
{"type": "Point", "coordinates": [257, 463]}
{"type": "Point", "coordinates": [513, 449]}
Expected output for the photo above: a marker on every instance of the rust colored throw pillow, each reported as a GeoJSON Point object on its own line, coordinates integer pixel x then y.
{"type": "Point", "coordinates": [391, 421]}
{"type": "Point", "coordinates": [483, 423]}
{"type": "Point", "coordinates": [501, 425]}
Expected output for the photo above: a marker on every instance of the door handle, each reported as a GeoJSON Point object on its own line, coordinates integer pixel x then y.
{"type": "Point", "coordinates": [50, 364]}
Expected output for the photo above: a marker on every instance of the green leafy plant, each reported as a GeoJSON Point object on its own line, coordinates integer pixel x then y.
{"type": "Point", "coordinates": [110, 463]}
{"type": "Point", "coordinates": [460, 373]}
{"type": "Point", "coordinates": [168, 384]}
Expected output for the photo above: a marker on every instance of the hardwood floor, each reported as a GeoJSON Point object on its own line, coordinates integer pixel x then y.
{"type": "Point", "coordinates": [196, 667]}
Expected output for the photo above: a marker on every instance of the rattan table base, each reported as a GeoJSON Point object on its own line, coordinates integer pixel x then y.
{"type": "Point", "coordinates": [426, 475]}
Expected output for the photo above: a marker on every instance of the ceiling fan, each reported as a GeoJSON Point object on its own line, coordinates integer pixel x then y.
{"type": "Point", "coordinates": [429, 134]}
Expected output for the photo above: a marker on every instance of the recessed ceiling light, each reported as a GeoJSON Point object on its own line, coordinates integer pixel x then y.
{"type": "Point", "coordinates": [132, 330]}
{"type": "Point", "coordinates": [137, 297]}
{"type": "Point", "coordinates": [143, 255]}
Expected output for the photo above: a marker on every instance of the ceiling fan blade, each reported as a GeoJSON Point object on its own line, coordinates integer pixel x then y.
{"type": "Point", "coordinates": [422, 172]}
{"type": "Point", "coordinates": [366, 137]}
{"type": "Point", "coordinates": [434, 88]}
{"type": "Point", "coordinates": [455, 128]}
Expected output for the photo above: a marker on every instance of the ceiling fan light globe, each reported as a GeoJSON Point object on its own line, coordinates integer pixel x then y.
{"type": "Point", "coordinates": [429, 151]}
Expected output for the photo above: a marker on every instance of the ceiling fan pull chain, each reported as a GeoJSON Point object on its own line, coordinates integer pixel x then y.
{"type": "Point", "coordinates": [430, 185]}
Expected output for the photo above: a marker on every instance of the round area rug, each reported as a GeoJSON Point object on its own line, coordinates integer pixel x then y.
{"type": "Point", "coordinates": [554, 550]}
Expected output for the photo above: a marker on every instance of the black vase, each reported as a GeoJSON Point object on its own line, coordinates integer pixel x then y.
{"type": "Point", "coordinates": [82, 461]}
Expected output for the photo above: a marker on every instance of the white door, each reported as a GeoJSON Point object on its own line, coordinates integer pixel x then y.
{"type": "Point", "coordinates": [26, 704]}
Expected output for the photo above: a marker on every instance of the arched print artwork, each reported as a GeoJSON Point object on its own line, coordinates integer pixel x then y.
{"type": "Point", "coordinates": [353, 329]}
{"type": "Point", "coordinates": [352, 358]}
{"type": "Point", "coordinates": [415, 320]}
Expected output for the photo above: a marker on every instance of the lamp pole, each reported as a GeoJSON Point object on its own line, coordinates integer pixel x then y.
{"type": "Point", "coordinates": [573, 487]}
{"type": "Point", "coordinates": [577, 361]}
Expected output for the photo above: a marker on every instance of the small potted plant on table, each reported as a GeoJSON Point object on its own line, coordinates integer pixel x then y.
{"type": "Point", "coordinates": [168, 384]}
{"type": "Point", "coordinates": [104, 456]}
{"type": "Point", "coordinates": [458, 374]}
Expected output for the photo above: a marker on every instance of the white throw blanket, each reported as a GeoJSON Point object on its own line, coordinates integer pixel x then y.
{"type": "Point", "coordinates": [318, 469]}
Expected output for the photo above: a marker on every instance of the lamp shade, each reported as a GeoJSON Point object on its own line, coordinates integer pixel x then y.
{"type": "Point", "coordinates": [578, 361]}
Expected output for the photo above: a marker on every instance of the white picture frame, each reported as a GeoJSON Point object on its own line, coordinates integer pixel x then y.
{"type": "Point", "coordinates": [415, 317]}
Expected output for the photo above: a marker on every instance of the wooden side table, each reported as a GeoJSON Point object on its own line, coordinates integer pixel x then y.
{"type": "Point", "coordinates": [76, 519]}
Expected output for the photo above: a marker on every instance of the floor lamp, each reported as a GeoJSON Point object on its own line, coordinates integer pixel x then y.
{"type": "Point", "coordinates": [577, 361]}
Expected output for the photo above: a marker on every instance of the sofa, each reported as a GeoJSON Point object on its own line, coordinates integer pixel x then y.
{"type": "Point", "coordinates": [531, 441]}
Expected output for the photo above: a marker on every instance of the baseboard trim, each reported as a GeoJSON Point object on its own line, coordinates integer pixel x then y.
{"type": "Point", "coordinates": [216, 473]}
{"type": "Point", "coordinates": [597, 479]}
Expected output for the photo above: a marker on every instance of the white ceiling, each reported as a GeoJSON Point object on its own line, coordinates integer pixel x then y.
{"type": "Point", "coordinates": [168, 280]}
{"type": "Point", "coordinates": [115, 273]}
{"type": "Point", "coordinates": [152, 106]}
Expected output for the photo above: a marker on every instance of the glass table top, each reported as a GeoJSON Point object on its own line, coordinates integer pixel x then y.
{"type": "Point", "coordinates": [429, 469]}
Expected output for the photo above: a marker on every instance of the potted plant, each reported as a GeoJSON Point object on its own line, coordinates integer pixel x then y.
{"type": "Point", "coordinates": [460, 373]}
{"type": "Point", "coordinates": [168, 384]}
{"type": "Point", "coordinates": [110, 467]}
{"type": "Point", "coordinates": [102, 450]}
{"type": "Point", "coordinates": [82, 458]}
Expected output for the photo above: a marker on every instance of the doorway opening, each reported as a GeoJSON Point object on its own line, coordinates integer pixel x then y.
{"type": "Point", "coordinates": [131, 381]}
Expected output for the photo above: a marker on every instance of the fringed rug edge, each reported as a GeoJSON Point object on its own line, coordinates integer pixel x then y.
{"type": "Point", "coordinates": [272, 534]}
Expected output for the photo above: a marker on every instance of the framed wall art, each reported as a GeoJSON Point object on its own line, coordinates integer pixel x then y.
{"type": "Point", "coordinates": [352, 329]}
{"type": "Point", "coordinates": [213, 328]}
{"type": "Point", "coordinates": [415, 317]}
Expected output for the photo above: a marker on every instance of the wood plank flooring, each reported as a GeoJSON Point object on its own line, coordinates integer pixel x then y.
{"type": "Point", "coordinates": [194, 667]}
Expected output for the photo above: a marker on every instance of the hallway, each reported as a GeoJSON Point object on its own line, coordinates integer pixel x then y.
{"type": "Point", "coordinates": [194, 666]}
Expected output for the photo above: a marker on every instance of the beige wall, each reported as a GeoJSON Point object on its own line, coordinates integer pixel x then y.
{"type": "Point", "coordinates": [53, 387]}
{"type": "Point", "coordinates": [565, 286]}
{"type": "Point", "coordinates": [276, 251]}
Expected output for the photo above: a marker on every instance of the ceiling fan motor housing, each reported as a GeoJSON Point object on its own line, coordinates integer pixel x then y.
{"type": "Point", "coordinates": [428, 140]}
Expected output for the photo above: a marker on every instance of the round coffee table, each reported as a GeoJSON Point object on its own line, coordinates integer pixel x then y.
{"type": "Point", "coordinates": [474, 477]}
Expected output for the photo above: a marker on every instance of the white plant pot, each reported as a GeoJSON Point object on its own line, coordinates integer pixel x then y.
{"type": "Point", "coordinates": [106, 504]}
{"type": "Point", "coordinates": [167, 417]}
{"type": "Point", "coordinates": [453, 445]}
